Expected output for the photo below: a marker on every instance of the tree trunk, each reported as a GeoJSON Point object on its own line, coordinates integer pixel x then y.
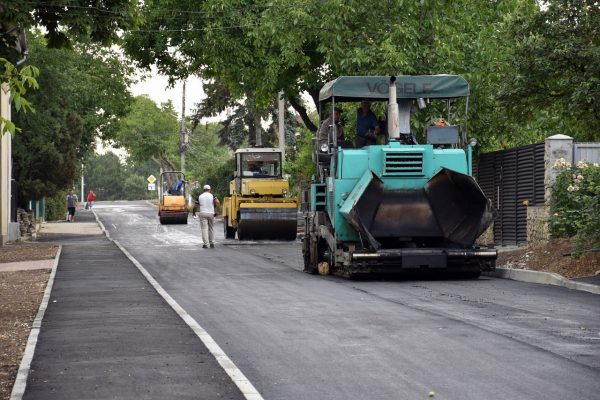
{"type": "Point", "coordinates": [255, 118]}
{"type": "Point", "coordinates": [301, 110]}
{"type": "Point", "coordinates": [257, 128]}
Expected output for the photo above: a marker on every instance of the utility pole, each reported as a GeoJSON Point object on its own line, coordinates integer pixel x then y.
{"type": "Point", "coordinates": [183, 131]}
{"type": "Point", "coordinates": [82, 191]}
{"type": "Point", "coordinates": [184, 141]}
{"type": "Point", "coordinates": [253, 110]}
{"type": "Point", "coordinates": [258, 129]}
{"type": "Point", "coordinates": [5, 167]}
{"type": "Point", "coordinates": [281, 125]}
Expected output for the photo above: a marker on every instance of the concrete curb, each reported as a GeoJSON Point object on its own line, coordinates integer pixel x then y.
{"type": "Point", "coordinates": [545, 278]}
{"type": "Point", "coordinates": [23, 372]}
{"type": "Point", "coordinates": [235, 374]}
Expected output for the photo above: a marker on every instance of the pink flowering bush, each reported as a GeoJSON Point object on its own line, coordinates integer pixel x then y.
{"type": "Point", "coordinates": [575, 204]}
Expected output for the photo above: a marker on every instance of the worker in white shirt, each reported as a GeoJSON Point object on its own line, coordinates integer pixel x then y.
{"type": "Point", "coordinates": [209, 208]}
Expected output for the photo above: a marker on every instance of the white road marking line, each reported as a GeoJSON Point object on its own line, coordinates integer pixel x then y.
{"type": "Point", "coordinates": [236, 375]}
{"type": "Point", "coordinates": [21, 380]}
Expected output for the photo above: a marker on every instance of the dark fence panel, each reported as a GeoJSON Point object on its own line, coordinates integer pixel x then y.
{"type": "Point", "coordinates": [512, 179]}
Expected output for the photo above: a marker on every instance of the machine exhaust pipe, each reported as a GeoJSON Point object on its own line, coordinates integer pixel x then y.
{"type": "Point", "coordinates": [393, 116]}
{"type": "Point", "coordinates": [398, 113]}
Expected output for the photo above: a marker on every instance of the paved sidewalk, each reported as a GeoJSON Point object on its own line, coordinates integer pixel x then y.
{"type": "Point", "coordinates": [107, 334]}
{"type": "Point", "coordinates": [26, 265]}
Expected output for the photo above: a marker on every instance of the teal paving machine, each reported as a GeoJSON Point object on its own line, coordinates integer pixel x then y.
{"type": "Point", "coordinates": [397, 206]}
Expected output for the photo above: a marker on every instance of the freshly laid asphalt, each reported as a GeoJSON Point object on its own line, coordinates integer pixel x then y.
{"type": "Point", "coordinates": [107, 334]}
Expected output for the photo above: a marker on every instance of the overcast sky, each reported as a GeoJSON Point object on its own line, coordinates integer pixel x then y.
{"type": "Point", "coordinates": [156, 86]}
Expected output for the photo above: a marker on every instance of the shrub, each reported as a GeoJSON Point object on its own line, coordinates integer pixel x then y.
{"type": "Point", "coordinates": [302, 166]}
{"type": "Point", "coordinates": [575, 204]}
{"type": "Point", "coordinates": [55, 206]}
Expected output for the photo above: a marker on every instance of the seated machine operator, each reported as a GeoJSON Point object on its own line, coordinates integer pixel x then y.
{"type": "Point", "coordinates": [326, 129]}
{"type": "Point", "coordinates": [367, 125]}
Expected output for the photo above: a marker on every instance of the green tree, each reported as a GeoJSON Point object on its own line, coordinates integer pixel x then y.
{"type": "Point", "coordinates": [112, 179]}
{"type": "Point", "coordinates": [135, 187]}
{"type": "Point", "coordinates": [150, 133]}
{"type": "Point", "coordinates": [301, 166]}
{"type": "Point", "coordinates": [208, 161]}
{"type": "Point", "coordinates": [65, 22]}
{"type": "Point", "coordinates": [89, 22]}
{"type": "Point", "coordinates": [104, 174]}
{"type": "Point", "coordinates": [554, 84]}
{"type": "Point", "coordinates": [18, 80]}
{"type": "Point", "coordinates": [261, 47]}
{"type": "Point", "coordinates": [83, 94]}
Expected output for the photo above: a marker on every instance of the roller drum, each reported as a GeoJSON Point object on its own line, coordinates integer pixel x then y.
{"type": "Point", "coordinates": [173, 218]}
{"type": "Point", "coordinates": [267, 223]}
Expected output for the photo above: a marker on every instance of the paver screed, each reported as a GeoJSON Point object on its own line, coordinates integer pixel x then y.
{"type": "Point", "coordinates": [107, 334]}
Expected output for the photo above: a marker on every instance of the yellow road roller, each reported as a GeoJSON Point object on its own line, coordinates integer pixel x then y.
{"type": "Point", "coordinates": [173, 208]}
{"type": "Point", "coordinates": [259, 205]}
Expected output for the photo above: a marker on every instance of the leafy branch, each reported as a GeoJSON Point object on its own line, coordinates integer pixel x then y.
{"type": "Point", "coordinates": [18, 82]}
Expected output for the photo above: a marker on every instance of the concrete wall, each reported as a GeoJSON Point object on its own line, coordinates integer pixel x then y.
{"type": "Point", "coordinates": [557, 147]}
{"type": "Point", "coordinates": [9, 231]}
{"type": "Point", "coordinates": [5, 168]}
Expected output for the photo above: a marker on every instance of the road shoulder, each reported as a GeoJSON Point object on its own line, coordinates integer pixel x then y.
{"type": "Point", "coordinates": [545, 278]}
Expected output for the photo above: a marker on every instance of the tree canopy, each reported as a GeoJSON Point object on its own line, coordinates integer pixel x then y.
{"type": "Point", "coordinates": [111, 179]}
{"type": "Point", "coordinates": [65, 22]}
{"type": "Point", "coordinates": [84, 93]}
{"type": "Point", "coordinates": [554, 80]}
{"type": "Point", "coordinates": [150, 132]}
{"type": "Point", "coordinates": [533, 69]}
{"type": "Point", "coordinates": [19, 80]}
{"type": "Point", "coordinates": [262, 47]}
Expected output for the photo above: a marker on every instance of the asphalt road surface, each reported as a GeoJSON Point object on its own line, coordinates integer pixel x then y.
{"type": "Point", "coordinates": [298, 336]}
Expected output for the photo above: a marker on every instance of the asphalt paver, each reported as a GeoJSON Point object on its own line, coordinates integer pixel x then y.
{"type": "Point", "coordinates": [107, 334]}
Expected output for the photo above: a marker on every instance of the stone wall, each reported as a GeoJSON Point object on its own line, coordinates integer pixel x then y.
{"type": "Point", "coordinates": [537, 225]}
{"type": "Point", "coordinates": [27, 223]}
{"type": "Point", "coordinates": [487, 237]}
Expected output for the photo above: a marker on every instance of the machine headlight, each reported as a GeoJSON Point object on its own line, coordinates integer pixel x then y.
{"type": "Point", "coordinates": [284, 191]}
{"type": "Point", "coordinates": [473, 142]}
{"type": "Point", "coordinates": [324, 148]}
{"type": "Point", "coordinates": [252, 191]}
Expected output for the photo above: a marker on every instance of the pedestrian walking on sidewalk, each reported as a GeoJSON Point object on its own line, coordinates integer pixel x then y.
{"type": "Point", "coordinates": [90, 200]}
{"type": "Point", "coordinates": [209, 208]}
{"type": "Point", "coordinates": [71, 205]}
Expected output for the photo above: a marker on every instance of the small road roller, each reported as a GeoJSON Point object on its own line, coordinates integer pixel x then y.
{"type": "Point", "coordinates": [395, 204]}
{"type": "Point", "coordinates": [259, 205]}
{"type": "Point", "coordinates": [173, 208]}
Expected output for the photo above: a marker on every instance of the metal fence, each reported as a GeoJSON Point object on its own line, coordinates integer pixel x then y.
{"type": "Point", "coordinates": [586, 151]}
{"type": "Point", "coordinates": [512, 179]}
